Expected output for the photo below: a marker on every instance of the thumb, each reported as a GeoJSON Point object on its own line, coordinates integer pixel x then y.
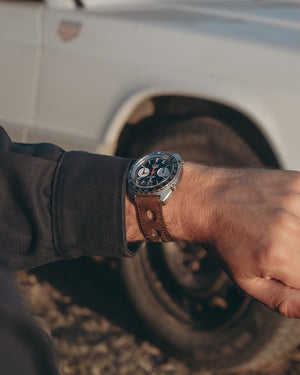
{"type": "Point", "coordinates": [274, 294]}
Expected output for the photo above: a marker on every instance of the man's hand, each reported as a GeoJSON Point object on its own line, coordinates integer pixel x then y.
{"type": "Point", "coordinates": [249, 219]}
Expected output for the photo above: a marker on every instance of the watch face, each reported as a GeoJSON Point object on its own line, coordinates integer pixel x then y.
{"type": "Point", "coordinates": [153, 172]}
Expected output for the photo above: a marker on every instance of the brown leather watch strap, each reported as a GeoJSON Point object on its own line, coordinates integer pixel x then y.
{"type": "Point", "coordinates": [151, 219]}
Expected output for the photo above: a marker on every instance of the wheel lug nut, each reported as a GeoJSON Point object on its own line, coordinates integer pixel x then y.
{"type": "Point", "coordinates": [195, 266]}
{"type": "Point", "coordinates": [202, 254]}
{"type": "Point", "coordinates": [219, 302]}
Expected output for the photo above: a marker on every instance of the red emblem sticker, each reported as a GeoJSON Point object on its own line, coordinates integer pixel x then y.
{"type": "Point", "coordinates": [69, 30]}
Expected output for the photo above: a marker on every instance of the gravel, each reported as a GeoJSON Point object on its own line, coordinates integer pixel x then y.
{"type": "Point", "coordinates": [83, 307]}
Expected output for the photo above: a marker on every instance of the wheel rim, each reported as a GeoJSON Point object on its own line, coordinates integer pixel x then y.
{"type": "Point", "coordinates": [190, 286]}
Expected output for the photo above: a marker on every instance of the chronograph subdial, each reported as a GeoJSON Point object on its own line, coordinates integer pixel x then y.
{"type": "Point", "coordinates": [163, 172]}
{"type": "Point", "coordinates": [143, 172]}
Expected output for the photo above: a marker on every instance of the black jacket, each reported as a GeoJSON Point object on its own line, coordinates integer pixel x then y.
{"type": "Point", "coordinates": [54, 205]}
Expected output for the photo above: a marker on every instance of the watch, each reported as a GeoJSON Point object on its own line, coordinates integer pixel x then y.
{"type": "Point", "coordinates": [152, 180]}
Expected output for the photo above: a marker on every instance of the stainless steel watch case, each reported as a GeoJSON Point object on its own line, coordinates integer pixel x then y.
{"type": "Point", "coordinates": [166, 190]}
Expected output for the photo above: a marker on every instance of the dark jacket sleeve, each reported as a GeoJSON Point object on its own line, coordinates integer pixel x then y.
{"type": "Point", "coordinates": [24, 348]}
{"type": "Point", "coordinates": [58, 205]}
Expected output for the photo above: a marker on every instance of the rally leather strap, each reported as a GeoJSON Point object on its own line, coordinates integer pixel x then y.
{"type": "Point", "coordinates": [151, 219]}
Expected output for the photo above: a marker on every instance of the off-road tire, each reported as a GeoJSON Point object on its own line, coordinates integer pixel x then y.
{"type": "Point", "coordinates": [256, 335]}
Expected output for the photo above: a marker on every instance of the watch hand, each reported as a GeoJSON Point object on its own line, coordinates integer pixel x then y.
{"type": "Point", "coordinates": [153, 168]}
{"type": "Point", "coordinates": [150, 179]}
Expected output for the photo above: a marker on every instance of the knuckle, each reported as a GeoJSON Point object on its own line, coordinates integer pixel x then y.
{"type": "Point", "coordinates": [271, 249]}
{"type": "Point", "coordinates": [279, 302]}
{"type": "Point", "coordinates": [268, 254]}
{"type": "Point", "coordinates": [283, 308]}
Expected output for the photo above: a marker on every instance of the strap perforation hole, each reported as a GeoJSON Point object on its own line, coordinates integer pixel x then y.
{"type": "Point", "coordinates": [150, 216]}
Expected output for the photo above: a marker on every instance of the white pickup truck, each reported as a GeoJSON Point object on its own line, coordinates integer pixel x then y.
{"type": "Point", "coordinates": [217, 81]}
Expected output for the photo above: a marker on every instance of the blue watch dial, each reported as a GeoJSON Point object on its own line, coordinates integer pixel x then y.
{"type": "Point", "coordinates": [153, 172]}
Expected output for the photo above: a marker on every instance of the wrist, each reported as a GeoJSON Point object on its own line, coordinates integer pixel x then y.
{"type": "Point", "coordinates": [188, 215]}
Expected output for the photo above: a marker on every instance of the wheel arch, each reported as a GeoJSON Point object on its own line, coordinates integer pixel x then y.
{"type": "Point", "coordinates": [130, 119]}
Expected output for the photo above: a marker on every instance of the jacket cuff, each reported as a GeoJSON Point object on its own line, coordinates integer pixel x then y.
{"type": "Point", "coordinates": [88, 205]}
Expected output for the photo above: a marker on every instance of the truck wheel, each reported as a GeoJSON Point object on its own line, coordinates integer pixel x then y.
{"type": "Point", "coordinates": [187, 302]}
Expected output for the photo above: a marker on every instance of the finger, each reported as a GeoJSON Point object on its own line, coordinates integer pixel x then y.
{"type": "Point", "coordinates": [275, 295]}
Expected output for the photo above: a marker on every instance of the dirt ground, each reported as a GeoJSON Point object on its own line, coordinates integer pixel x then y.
{"type": "Point", "coordinates": [83, 307]}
